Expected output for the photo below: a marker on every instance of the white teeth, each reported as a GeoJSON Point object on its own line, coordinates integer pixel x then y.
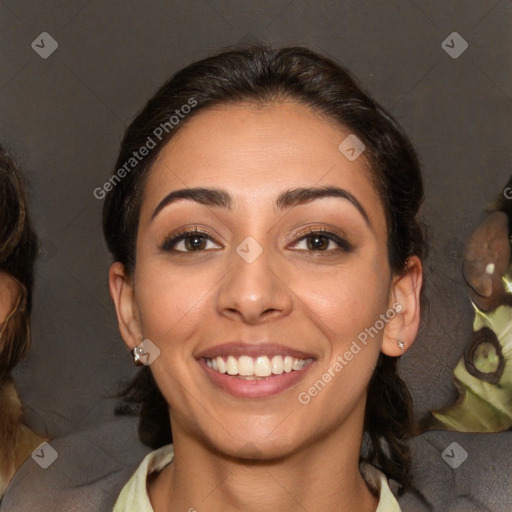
{"type": "Point", "coordinates": [296, 364]}
{"type": "Point", "coordinates": [245, 366]}
{"type": "Point", "coordinates": [277, 365]}
{"type": "Point", "coordinates": [262, 366]}
{"type": "Point", "coordinates": [221, 364]}
{"type": "Point", "coordinates": [232, 366]}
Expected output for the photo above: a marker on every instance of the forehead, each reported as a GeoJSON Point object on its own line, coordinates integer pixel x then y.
{"type": "Point", "coordinates": [257, 151]}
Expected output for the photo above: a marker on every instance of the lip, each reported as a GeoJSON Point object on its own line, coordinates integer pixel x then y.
{"type": "Point", "coordinates": [238, 349]}
{"type": "Point", "coordinates": [264, 388]}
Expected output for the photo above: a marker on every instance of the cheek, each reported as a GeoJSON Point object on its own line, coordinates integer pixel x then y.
{"type": "Point", "coordinates": [344, 302]}
{"type": "Point", "coordinates": [345, 308]}
{"type": "Point", "coordinates": [171, 304]}
{"type": "Point", "coordinates": [8, 298]}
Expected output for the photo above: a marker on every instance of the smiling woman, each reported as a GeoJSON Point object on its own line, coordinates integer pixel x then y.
{"type": "Point", "coordinates": [263, 239]}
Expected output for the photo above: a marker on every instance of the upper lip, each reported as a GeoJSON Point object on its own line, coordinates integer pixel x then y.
{"type": "Point", "coordinates": [240, 348]}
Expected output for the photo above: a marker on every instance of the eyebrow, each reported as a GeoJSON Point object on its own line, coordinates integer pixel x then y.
{"type": "Point", "coordinates": [293, 197]}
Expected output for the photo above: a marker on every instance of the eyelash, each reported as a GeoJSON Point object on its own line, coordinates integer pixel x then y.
{"type": "Point", "coordinates": [170, 243]}
{"type": "Point", "coordinates": [343, 243]}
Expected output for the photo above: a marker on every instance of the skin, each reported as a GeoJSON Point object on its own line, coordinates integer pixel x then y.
{"type": "Point", "coordinates": [18, 440]}
{"type": "Point", "coordinates": [273, 453]}
{"type": "Point", "coordinates": [488, 248]}
{"type": "Point", "coordinates": [9, 295]}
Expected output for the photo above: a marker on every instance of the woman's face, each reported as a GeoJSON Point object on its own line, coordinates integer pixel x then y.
{"type": "Point", "coordinates": [263, 275]}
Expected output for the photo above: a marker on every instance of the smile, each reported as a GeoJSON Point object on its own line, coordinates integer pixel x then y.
{"type": "Point", "coordinates": [253, 368]}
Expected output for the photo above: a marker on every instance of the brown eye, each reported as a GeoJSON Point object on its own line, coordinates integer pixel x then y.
{"type": "Point", "coordinates": [195, 243]}
{"type": "Point", "coordinates": [318, 243]}
{"type": "Point", "coordinates": [190, 241]}
{"type": "Point", "coordinates": [322, 241]}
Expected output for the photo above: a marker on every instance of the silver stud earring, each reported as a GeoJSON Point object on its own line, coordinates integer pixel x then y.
{"type": "Point", "coordinates": [401, 345]}
{"type": "Point", "coordinates": [136, 353]}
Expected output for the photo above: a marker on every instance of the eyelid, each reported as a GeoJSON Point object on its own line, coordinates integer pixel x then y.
{"type": "Point", "coordinates": [337, 236]}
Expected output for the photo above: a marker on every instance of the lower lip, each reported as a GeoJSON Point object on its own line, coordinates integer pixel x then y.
{"type": "Point", "coordinates": [273, 385]}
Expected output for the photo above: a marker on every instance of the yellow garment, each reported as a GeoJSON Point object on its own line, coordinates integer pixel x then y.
{"type": "Point", "coordinates": [484, 406]}
{"type": "Point", "coordinates": [134, 496]}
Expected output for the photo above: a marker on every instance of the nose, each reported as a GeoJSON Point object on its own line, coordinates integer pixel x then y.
{"type": "Point", "coordinates": [254, 292]}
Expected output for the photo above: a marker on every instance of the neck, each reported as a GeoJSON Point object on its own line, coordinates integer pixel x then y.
{"type": "Point", "coordinates": [323, 476]}
{"type": "Point", "coordinates": [17, 441]}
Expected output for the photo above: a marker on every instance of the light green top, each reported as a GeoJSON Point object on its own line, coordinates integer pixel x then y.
{"type": "Point", "coordinates": [134, 496]}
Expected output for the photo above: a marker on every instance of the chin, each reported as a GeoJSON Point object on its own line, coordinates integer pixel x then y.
{"type": "Point", "coordinates": [255, 444]}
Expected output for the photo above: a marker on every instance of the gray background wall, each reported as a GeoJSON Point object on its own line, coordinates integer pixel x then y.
{"type": "Point", "coordinates": [63, 117]}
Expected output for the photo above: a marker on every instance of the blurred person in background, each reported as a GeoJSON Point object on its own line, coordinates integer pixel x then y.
{"type": "Point", "coordinates": [18, 250]}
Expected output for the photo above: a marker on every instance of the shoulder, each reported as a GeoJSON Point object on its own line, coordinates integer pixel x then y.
{"type": "Point", "coordinates": [134, 493]}
{"type": "Point", "coordinates": [89, 469]}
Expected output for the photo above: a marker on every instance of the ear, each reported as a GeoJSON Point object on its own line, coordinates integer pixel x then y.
{"type": "Point", "coordinates": [405, 301]}
{"type": "Point", "coordinates": [123, 295]}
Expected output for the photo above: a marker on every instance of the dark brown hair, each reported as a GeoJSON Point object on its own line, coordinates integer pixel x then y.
{"type": "Point", "coordinates": [18, 250]}
{"type": "Point", "coordinates": [261, 74]}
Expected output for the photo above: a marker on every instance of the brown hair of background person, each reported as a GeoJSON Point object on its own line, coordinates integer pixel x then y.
{"type": "Point", "coordinates": [259, 75]}
{"type": "Point", "coordinates": [18, 250]}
